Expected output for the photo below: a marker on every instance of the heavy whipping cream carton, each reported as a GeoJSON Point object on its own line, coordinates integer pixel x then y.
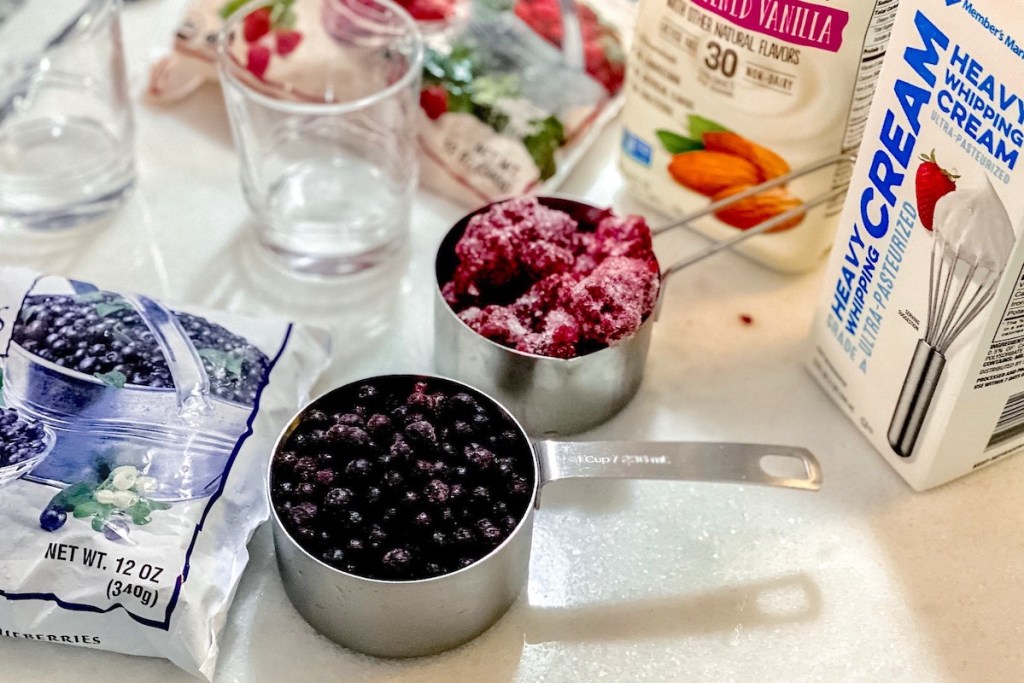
{"type": "Point", "coordinates": [722, 95]}
{"type": "Point", "coordinates": [919, 336]}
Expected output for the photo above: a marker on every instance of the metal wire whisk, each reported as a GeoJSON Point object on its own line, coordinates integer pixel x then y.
{"type": "Point", "coordinates": [954, 276]}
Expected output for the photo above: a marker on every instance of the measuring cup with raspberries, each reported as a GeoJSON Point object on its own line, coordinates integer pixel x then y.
{"type": "Point", "coordinates": [403, 505]}
{"type": "Point", "coordinates": [547, 303]}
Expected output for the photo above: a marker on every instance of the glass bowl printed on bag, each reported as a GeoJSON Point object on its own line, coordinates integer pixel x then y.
{"type": "Point", "coordinates": [124, 381]}
{"type": "Point", "coordinates": [12, 471]}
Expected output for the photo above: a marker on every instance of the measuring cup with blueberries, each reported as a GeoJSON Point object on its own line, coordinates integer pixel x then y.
{"type": "Point", "coordinates": [403, 505]}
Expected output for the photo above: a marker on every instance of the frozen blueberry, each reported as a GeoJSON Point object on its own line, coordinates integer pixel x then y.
{"type": "Point", "coordinates": [305, 467]}
{"type": "Point", "coordinates": [400, 448]}
{"type": "Point", "coordinates": [302, 513]}
{"type": "Point", "coordinates": [479, 457]}
{"type": "Point", "coordinates": [284, 489]}
{"type": "Point", "coordinates": [436, 492]}
{"type": "Point", "coordinates": [348, 436]}
{"type": "Point", "coordinates": [350, 419]}
{"type": "Point", "coordinates": [284, 462]}
{"type": "Point", "coordinates": [397, 562]}
{"type": "Point", "coordinates": [316, 418]}
{"type": "Point", "coordinates": [464, 404]}
{"type": "Point", "coordinates": [379, 425]}
{"type": "Point", "coordinates": [338, 498]}
{"type": "Point", "coordinates": [358, 469]}
{"type": "Point", "coordinates": [334, 556]}
{"type": "Point", "coordinates": [424, 468]}
{"type": "Point", "coordinates": [421, 433]}
{"type": "Point", "coordinates": [368, 393]}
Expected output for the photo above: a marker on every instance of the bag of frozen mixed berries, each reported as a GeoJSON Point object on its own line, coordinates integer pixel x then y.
{"type": "Point", "coordinates": [514, 91]}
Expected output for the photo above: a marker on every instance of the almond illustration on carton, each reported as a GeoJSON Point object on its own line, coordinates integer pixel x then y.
{"type": "Point", "coordinates": [747, 213]}
{"type": "Point", "coordinates": [769, 164]}
{"type": "Point", "coordinates": [710, 172]}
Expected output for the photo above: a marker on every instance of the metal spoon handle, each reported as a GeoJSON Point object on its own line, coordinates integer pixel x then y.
{"type": "Point", "coordinates": [738, 463]}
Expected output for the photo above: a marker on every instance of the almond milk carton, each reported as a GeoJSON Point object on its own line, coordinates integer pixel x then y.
{"type": "Point", "coordinates": [919, 335]}
{"type": "Point", "coordinates": [722, 95]}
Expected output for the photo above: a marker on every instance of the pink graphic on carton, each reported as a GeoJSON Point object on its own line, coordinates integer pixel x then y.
{"type": "Point", "coordinates": [794, 21]}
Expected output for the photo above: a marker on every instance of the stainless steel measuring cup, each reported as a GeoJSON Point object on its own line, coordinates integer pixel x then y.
{"type": "Point", "coordinates": [555, 396]}
{"type": "Point", "coordinates": [426, 616]}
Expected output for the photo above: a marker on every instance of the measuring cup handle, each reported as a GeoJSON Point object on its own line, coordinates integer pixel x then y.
{"type": "Point", "coordinates": [762, 227]}
{"type": "Point", "coordinates": [739, 463]}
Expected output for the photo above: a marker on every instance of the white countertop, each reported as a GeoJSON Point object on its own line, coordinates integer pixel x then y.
{"type": "Point", "coordinates": [864, 580]}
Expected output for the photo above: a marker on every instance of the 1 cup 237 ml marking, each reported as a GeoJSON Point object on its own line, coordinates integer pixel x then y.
{"type": "Point", "coordinates": [622, 459]}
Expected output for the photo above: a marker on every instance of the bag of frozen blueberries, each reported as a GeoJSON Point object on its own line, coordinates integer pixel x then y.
{"type": "Point", "coordinates": [134, 439]}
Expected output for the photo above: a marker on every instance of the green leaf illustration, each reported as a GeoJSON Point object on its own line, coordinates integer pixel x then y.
{"type": "Point", "coordinates": [73, 496]}
{"type": "Point", "coordinates": [677, 144]}
{"type": "Point", "coordinates": [700, 125]}
{"type": "Point", "coordinates": [88, 508]}
{"type": "Point", "coordinates": [223, 361]}
{"type": "Point", "coordinates": [114, 378]}
{"type": "Point", "coordinates": [542, 144]}
{"type": "Point", "coordinates": [103, 309]}
{"type": "Point", "coordinates": [231, 7]}
{"type": "Point", "coordinates": [139, 514]}
{"type": "Point", "coordinates": [119, 333]}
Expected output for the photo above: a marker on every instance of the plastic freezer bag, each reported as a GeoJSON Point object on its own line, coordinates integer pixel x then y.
{"type": "Point", "coordinates": [514, 92]}
{"type": "Point", "coordinates": [134, 438]}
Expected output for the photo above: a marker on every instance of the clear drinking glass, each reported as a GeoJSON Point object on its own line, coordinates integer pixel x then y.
{"type": "Point", "coordinates": [323, 97]}
{"type": "Point", "coordinates": [66, 128]}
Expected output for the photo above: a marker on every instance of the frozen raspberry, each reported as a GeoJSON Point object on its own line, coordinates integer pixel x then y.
{"type": "Point", "coordinates": [552, 293]}
{"type": "Point", "coordinates": [622, 236]}
{"type": "Point", "coordinates": [513, 238]}
{"type": "Point", "coordinates": [497, 323]}
{"type": "Point", "coordinates": [487, 254]}
{"type": "Point", "coordinates": [557, 339]}
{"type": "Point", "coordinates": [611, 302]}
{"type": "Point", "coordinates": [450, 294]}
{"type": "Point", "coordinates": [540, 259]}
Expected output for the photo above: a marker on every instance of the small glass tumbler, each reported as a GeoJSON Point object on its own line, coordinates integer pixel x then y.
{"type": "Point", "coordinates": [66, 127]}
{"type": "Point", "coordinates": [323, 97]}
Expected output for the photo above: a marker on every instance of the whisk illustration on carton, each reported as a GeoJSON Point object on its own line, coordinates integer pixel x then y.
{"type": "Point", "coordinates": [972, 240]}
